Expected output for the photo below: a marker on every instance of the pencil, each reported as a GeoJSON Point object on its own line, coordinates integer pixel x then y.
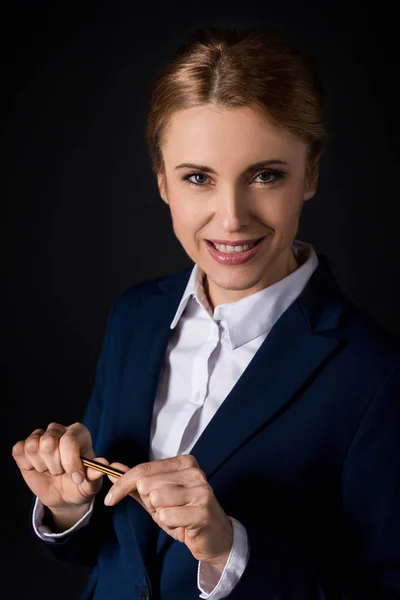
{"type": "Point", "coordinates": [99, 467]}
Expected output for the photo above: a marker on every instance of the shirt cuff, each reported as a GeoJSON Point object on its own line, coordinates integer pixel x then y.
{"type": "Point", "coordinates": [215, 585]}
{"type": "Point", "coordinates": [45, 533]}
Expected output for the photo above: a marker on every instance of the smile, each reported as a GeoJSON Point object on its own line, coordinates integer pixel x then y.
{"type": "Point", "coordinates": [234, 253]}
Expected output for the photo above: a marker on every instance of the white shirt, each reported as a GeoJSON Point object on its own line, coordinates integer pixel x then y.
{"type": "Point", "coordinates": [206, 354]}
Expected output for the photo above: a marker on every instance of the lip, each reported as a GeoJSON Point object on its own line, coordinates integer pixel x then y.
{"type": "Point", "coordinates": [234, 258]}
{"type": "Point", "coordinates": [235, 242]}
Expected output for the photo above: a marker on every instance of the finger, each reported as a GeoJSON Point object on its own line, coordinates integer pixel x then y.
{"type": "Point", "coordinates": [75, 442]}
{"type": "Point", "coordinates": [93, 478]}
{"type": "Point", "coordinates": [172, 495]}
{"type": "Point", "coordinates": [191, 477]}
{"type": "Point", "coordinates": [188, 517]}
{"type": "Point", "coordinates": [22, 460]}
{"type": "Point", "coordinates": [31, 448]}
{"type": "Point", "coordinates": [156, 498]}
{"type": "Point", "coordinates": [120, 467]}
{"type": "Point", "coordinates": [134, 493]}
{"type": "Point", "coordinates": [93, 474]}
{"type": "Point", "coordinates": [127, 483]}
{"type": "Point", "coordinates": [49, 448]}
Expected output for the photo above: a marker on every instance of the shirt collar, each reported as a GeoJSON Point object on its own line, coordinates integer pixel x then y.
{"type": "Point", "coordinates": [195, 289]}
{"type": "Point", "coordinates": [256, 314]}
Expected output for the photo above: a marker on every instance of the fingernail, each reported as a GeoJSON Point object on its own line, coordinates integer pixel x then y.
{"type": "Point", "coordinates": [77, 478]}
{"type": "Point", "coordinates": [108, 498]}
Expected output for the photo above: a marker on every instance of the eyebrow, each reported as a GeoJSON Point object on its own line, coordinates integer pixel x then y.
{"type": "Point", "coordinates": [251, 168]}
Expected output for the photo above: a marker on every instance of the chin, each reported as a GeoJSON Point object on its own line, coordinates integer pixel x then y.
{"type": "Point", "coordinates": [236, 281]}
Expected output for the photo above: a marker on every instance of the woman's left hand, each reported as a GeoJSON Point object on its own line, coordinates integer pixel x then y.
{"type": "Point", "coordinates": [176, 493]}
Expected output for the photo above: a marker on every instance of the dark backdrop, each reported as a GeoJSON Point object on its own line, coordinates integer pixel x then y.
{"type": "Point", "coordinates": [82, 219]}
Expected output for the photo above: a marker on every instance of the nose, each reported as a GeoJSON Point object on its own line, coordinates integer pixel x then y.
{"type": "Point", "coordinates": [234, 211]}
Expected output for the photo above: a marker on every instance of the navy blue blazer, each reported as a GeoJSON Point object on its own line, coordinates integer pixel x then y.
{"type": "Point", "coordinates": [304, 452]}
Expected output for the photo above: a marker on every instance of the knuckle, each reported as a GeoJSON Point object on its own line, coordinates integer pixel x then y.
{"type": "Point", "coordinates": [188, 460]}
{"type": "Point", "coordinates": [142, 469]}
{"type": "Point", "coordinates": [142, 485]}
{"type": "Point", "coordinates": [69, 452]}
{"type": "Point", "coordinates": [18, 448]}
{"type": "Point", "coordinates": [32, 444]}
{"type": "Point", "coordinates": [47, 443]}
{"type": "Point", "coordinates": [68, 438]}
{"type": "Point", "coordinates": [76, 426]}
{"type": "Point", "coordinates": [197, 474]}
{"type": "Point", "coordinates": [207, 494]}
{"type": "Point", "coordinates": [54, 425]}
{"type": "Point", "coordinates": [69, 432]}
{"type": "Point", "coordinates": [154, 497]}
{"type": "Point", "coordinates": [55, 429]}
{"type": "Point", "coordinates": [201, 475]}
{"type": "Point", "coordinates": [37, 432]}
{"type": "Point", "coordinates": [163, 515]}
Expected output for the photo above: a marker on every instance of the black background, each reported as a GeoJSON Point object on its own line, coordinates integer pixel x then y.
{"type": "Point", "coordinates": [82, 219]}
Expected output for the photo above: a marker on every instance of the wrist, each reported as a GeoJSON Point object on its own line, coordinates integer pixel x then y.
{"type": "Point", "coordinates": [61, 519]}
{"type": "Point", "coordinates": [220, 564]}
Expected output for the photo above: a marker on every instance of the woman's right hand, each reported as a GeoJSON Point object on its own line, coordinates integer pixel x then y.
{"type": "Point", "coordinates": [50, 465]}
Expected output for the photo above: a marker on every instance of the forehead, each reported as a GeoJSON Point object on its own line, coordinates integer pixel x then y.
{"type": "Point", "coordinates": [208, 132]}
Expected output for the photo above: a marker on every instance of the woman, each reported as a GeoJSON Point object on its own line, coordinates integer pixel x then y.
{"type": "Point", "coordinates": [252, 408]}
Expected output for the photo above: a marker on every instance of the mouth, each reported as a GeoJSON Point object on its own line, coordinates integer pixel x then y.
{"type": "Point", "coordinates": [235, 252]}
{"type": "Point", "coordinates": [228, 246]}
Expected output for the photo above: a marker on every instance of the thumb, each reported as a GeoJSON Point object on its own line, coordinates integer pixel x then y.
{"type": "Point", "coordinates": [93, 478]}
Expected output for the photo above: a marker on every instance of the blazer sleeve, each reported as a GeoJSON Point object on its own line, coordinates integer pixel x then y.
{"type": "Point", "coordinates": [371, 495]}
{"type": "Point", "coordinates": [370, 516]}
{"type": "Point", "coordinates": [81, 547]}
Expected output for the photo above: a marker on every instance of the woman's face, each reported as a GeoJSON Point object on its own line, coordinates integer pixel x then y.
{"type": "Point", "coordinates": [216, 191]}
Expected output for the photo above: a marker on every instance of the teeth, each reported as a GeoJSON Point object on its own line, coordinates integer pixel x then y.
{"type": "Point", "coordinates": [228, 249]}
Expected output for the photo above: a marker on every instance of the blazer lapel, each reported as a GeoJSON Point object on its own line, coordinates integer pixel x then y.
{"type": "Point", "coordinates": [291, 353]}
{"type": "Point", "coordinates": [147, 346]}
{"type": "Point", "coordinates": [149, 336]}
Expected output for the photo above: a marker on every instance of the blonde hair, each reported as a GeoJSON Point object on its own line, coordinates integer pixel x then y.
{"type": "Point", "coordinates": [233, 67]}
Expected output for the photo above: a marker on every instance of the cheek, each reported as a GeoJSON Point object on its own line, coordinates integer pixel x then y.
{"type": "Point", "coordinates": [186, 219]}
{"type": "Point", "coordinates": [283, 209]}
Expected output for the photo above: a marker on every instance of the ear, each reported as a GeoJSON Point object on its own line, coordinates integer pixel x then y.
{"type": "Point", "coordinates": [311, 183]}
{"type": "Point", "coordinates": [162, 187]}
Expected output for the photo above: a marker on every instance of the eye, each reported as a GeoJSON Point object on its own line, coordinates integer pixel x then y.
{"type": "Point", "coordinates": [276, 174]}
{"type": "Point", "coordinates": [195, 174]}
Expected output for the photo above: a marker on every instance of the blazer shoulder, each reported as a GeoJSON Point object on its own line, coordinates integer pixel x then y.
{"type": "Point", "coordinates": [368, 339]}
{"type": "Point", "coordinates": [329, 311]}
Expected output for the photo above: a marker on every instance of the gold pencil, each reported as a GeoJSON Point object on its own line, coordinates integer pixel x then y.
{"type": "Point", "coordinates": [88, 462]}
